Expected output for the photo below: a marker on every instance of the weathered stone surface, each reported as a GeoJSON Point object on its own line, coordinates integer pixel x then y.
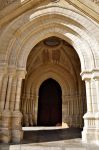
{"type": "Point", "coordinates": [5, 3]}
{"type": "Point", "coordinates": [23, 29]}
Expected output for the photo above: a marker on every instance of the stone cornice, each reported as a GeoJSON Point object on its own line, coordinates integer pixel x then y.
{"type": "Point", "coordinates": [27, 5]}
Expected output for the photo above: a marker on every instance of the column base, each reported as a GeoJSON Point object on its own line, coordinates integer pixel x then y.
{"type": "Point", "coordinates": [5, 135]}
{"type": "Point", "coordinates": [6, 126]}
{"type": "Point", "coordinates": [17, 136]}
{"type": "Point", "coordinates": [97, 128]}
{"type": "Point", "coordinates": [17, 133]}
{"type": "Point", "coordinates": [97, 136]}
{"type": "Point", "coordinates": [88, 136]}
{"type": "Point", "coordinates": [89, 130]}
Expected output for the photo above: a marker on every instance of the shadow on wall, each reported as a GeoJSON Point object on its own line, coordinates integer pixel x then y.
{"type": "Point", "coordinates": [51, 135]}
{"type": "Point", "coordinates": [4, 146]}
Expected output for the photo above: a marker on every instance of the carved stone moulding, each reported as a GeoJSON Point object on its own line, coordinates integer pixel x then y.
{"type": "Point", "coordinates": [55, 1]}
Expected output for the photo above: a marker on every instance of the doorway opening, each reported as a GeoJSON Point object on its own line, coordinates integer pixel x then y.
{"type": "Point", "coordinates": [54, 62]}
{"type": "Point", "coordinates": [50, 104]}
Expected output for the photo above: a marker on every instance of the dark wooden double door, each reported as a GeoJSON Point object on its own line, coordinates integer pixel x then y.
{"type": "Point", "coordinates": [50, 104]}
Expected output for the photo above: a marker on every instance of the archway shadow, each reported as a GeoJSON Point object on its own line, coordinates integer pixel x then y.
{"type": "Point", "coordinates": [41, 136]}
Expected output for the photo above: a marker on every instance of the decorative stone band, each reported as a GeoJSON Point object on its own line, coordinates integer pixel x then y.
{"type": "Point", "coordinates": [5, 3]}
{"type": "Point", "coordinates": [92, 74]}
{"type": "Point", "coordinates": [95, 1]}
{"type": "Point", "coordinates": [55, 1]}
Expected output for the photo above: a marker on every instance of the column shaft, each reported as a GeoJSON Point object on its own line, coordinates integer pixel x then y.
{"type": "Point", "coordinates": [17, 133]}
{"type": "Point", "coordinates": [13, 94]}
{"type": "Point", "coordinates": [8, 92]}
{"type": "Point", "coordinates": [3, 91]}
{"type": "Point", "coordinates": [1, 81]}
{"type": "Point", "coordinates": [97, 90]}
{"type": "Point", "coordinates": [88, 94]}
{"type": "Point", "coordinates": [18, 94]}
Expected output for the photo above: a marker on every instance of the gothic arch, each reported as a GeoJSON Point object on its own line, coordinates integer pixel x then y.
{"type": "Point", "coordinates": [18, 39]}
{"type": "Point", "coordinates": [63, 26]}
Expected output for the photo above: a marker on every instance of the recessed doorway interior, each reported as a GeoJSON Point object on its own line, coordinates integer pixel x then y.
{"type": "Point", "coordinates": [50, 104]}
{"type": "Point", "coordinates": [53, 93]}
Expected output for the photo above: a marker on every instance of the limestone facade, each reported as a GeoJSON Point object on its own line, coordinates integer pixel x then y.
{"type": "Point", "coordinates": [24, 56]}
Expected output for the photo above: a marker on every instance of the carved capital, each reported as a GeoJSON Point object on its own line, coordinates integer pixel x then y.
{"type": "Point", "coordinates": [86, 75]}
{"type": "Point", "coordinates": [21, 73]}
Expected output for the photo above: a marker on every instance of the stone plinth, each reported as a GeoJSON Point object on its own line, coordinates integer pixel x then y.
{"type": "Point", "coordinates": [6, 126]}
{"type": "Point", "coordinates": [17, 133]}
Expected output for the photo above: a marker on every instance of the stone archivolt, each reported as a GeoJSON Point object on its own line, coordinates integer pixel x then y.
{"type": "Point", "coordinates": [61, 63]}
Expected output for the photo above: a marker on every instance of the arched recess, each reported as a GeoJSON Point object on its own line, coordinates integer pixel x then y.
{"type": "Point", "coordinates": [56, 75]}
{"type": "Point", "coordinates": [37, 78]}
{"type": "Point", "coordinates": [28, 30]}
{"type": "Point", "coordinates": [62, 64]}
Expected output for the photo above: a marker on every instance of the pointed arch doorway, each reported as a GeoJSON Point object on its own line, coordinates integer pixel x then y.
{"type": "Point", "coordinates": [49, 104]}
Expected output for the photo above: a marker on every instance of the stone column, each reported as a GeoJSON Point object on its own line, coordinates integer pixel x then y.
{"type": "Point", "coordinates": [31, 116]}
{"type": "Point", "coordinates": [63, 109]}
{"type": "Point", "coordinates": [97, 91]}
{"type": "Point", "coordinates": [5, 137]}
{"type": "Point", "coordinates": [1, 81]}
{"type": "Point", "coordinates": [17, 133]}
{"type": "Point", "coordinates": [88, 95]}
{"type": "Point", "coordinates": [3, 92]}
{"type": "Point", "coordinates": [96, 78]}
{"type": "Point", "coordinates": [6, 114]}
{"type": "Point", "coordinates": [7, 105]}
{"type": "Point", "coordinates": [36, 97]}
{"type": "Point", "coordinates": [97, 114]}
{"type": "Point", "coordinates": [13, 94]}
{"type": "Point", "coordinates": [88, 132]}
{"type": "Point", "coordinates": [26, 116]}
